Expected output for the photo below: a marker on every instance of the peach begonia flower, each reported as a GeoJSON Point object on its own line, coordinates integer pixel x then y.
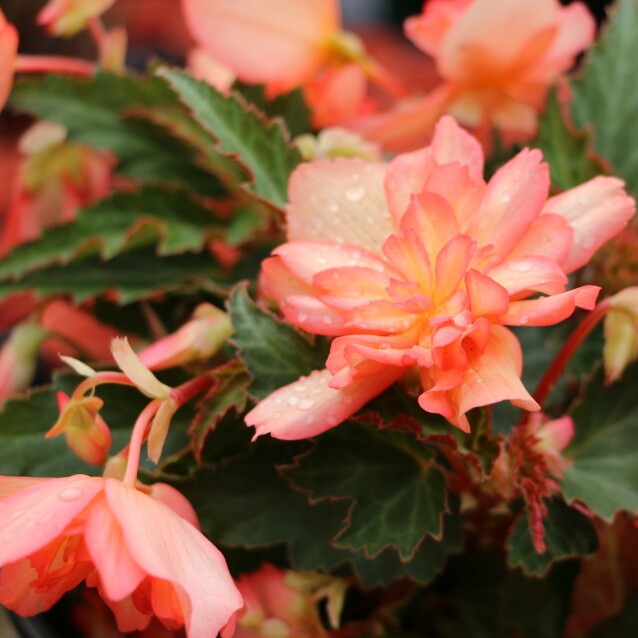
{"type": "Point", "coordinates": [420, 264]}
{"type": "Point", "coordinates": [8, 55]}
{"type": "Point", "coordinates": [68, 17]}
{"type": "Point", "coordinates": [496, 59]}
{"type": "Point", "coordinates": [142, 551]}
{"type": "Point", "coordinates": [54, 180]}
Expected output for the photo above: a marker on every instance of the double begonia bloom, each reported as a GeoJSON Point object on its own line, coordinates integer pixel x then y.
{"type": "Point", "coordinates": [8, 55]}
{"type": "Point", "coordinates": [142, 551]}
{"type": "Point", "coordinates": [496, 60]}
{"type": "Point", "coordinates": [420, 265]}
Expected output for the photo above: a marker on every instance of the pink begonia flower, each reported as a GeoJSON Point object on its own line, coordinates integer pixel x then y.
{"type": "Point", "coordinates": [496, 59]}
{"type": "Point", "coordinates": [54, 180]}
{"type": "Point", "coordinates": [68, 17]}
{"type": "Point", "coordinates": [8, 55]}
{"type": "Point", "coordinates": [421, 264]}
{"type": "Point", "coordinates": [142, 551]}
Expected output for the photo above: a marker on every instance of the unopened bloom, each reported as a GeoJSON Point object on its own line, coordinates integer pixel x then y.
{"type": "Point", "coordinates": [496, 60]}
{"type": "Point", "coordinates": [8, 54]}
{"type": "Point", "coordinates": [421, 265]}
{"type": "Point", "coordinates": [197, 340]}
{"type": "Point", "coordinates": [85, 431]}
{"type": "Point", "coordinates": [621, 333]}
{"type": "Point", "coordinates": [68, 17]}
{"type": "Point", "coordinates": [142, 551]}
{"type": "Point", "coordinates": [334, 142]}
{"type": "Point", "coordinates": [280, 603]}
{"type": "Point", "coordinates": [18, 358]}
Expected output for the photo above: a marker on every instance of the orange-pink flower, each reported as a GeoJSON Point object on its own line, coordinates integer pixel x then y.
{"type": "Point", "coordinates": [8, 54]}
{"type": "Point", "coordinates": [142, 551]}
{"type": "Point", "coordinates": [496, 59]}
{"type": "Point", "coordinates": [419, 265]}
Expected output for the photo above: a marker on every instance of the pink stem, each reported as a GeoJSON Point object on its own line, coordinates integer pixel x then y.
{"type": "Point", "coordinates": [569, 347]}
{"type": "Point", "coordinates": [137, 440]}
{"type": "Point", "coordinates": [53, 64]}
{"type": "Point", "coordinates": [97, 31]}
{"type": "Point", "coordinates": [185, 392]}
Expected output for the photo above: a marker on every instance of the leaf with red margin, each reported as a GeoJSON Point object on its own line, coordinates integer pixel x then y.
{"type": "Point", "coordinates": [230, 392]}
{"type": "Point", "coordinates": [607, 578]}
{"type": "Point", "coordinates": [398, 495]}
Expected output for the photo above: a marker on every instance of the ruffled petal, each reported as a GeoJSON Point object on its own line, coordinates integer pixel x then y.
{"type": "Point", "coordinates": [540, 274]}
{"type": "Point", "coordinates": [548, 236]}
{"type": "Point", "coordinates": [340, 201]}
{"type": "Point", "coordinates": [169, 548]}
{"type": "Point", "coordinates": [597, 211]}
{"type": "Point", "coordinates": [35, 516]}
{"type": "Point", "coordinates": [310, 406]}
{"type": "Point", "coordinates": [313, 315]}
{"type": "Point", "coordinates": [487, 297]}
{"type": "Point", "coordinates": [452, 143]}
{"type": "Point", "coordinates": [547, 311]}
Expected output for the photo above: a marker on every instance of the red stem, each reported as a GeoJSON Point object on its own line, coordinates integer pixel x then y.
{"type": "Point", "coordinates": [569, 347]}
{"type": "Point", "coordinates": [53, 64]}
{"type": "Point", "coordinates": [185, 392]}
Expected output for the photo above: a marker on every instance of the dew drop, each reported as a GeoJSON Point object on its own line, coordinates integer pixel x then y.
{"type": "Point", "coordinates": [331, 420]}
{"type": "Point", "coordinates": [309, 420]}
{"type": "Point", "coordinates": [70, 494]}
{"type": "Point", "coordinates": [321, 260]}
{"type": "Point", "coordinates": [588, 242]}
{"type": "Point", "coordinates": [327, 319]}
{"type": "Point", "coordinates": [302, 316]}
{"type": "Point", "coordinates": [523, 319]}
{"type": "Point", "coordinates": [355, 193]}
{"type": "Point", "coordinates": [293, 400]}
{"type": "Point", "coordinates": [506, 197]}
{"type": "Point", "coordinates": [333, 207]}
{"type": "Point", "coordinates": [306, 404]}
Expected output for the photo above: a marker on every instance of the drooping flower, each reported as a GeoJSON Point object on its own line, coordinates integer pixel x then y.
{"type": "Point", "coordinates": [142, 551]}
{"type": "Point", "coordinates": [68, 17]}
{"type": "Point", "coordinates": [496, 60]}
{"type": "Point", "coordinates": [421, 265]}
{"type": "Point", "coordinates": [8, 54]}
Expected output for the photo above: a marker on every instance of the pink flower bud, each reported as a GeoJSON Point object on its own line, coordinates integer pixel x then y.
{"type": "Point", "coordinates": [86, 432]}
{"type": "Point", "coordinates": [197, 340]}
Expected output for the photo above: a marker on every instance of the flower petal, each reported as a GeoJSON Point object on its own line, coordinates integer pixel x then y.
{"type": "Point", "coordinates": [280, 41]}
{"type": "Point", "coordinates": [119, 574]}
{"type": "Point", "coordinates": [513, 200]}
{"type": "Point", "coordinates": [597, 211]}
{"type": "Point", "coordinates": [548, 236]}
{"type": "Point", "coordinates": [136, 371]}
{"type": "Point", "coordinates": [540, 274]}
{"type": "Point", "coordinates": [35, 516]}
{"type": "Point", "coordinates": [487, 297]}
{"type": "Point", "coordinates": [167, 547]}
{"type": "Point", "coordinates": [309, 406]}
{"type": "Point", "coordinates": [547, 311]}
{"type": "Point", "coordinates": [340, 201]}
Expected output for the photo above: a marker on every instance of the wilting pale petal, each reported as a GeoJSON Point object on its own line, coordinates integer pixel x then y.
{"type": "Point", "coordinates": [341, 201]}
{"type": "Point", "coordinates": [596, 210]}
{"type": "Point", "coordinates": [171, 549]}
{"type": "Point", "coordinates": [310, 406]}
{"type": "Point", "coordinates": [136, 371]}
{"type": "Point", "coordinates": [279, 41]}
{"type": "Point", "coordinates": [68, 17]}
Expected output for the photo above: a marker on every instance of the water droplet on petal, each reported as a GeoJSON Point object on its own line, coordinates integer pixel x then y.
{"type": "Point", "coordinates": [331, 420]}
{"type": "Point", "coordinates": [293, 400]}
{"type": "Point", "coordinates": [523, 319]}
{"type": "Point", "coordinates": [306, 404]}
{"type": "Point", "coordinates": [327, 319]}
{"type": "Point", "coordinates": [333, 207]}
{"type": "Point", "coordinates": [355, 193]}
{"type": "Point", "coordinates": [524, 266]}
{"type": "Point", "coordinates": [70, 494]}
{"type": "Point", "coordinates": [588, 242]}
{"type": "Point", "coordinates": [302, 316]}
{"type": "Point", "coordinates": [506, 197]}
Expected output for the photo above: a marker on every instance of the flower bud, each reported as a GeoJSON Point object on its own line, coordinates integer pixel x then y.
{"type": "Point", "coordinates": [86, 432]}
{"type": "Point", "coordinates": [197, 340]}
{"type": "Point", "coordinates": [18, 358]}
{"type": "Point", "coordinates": [621, 333]}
